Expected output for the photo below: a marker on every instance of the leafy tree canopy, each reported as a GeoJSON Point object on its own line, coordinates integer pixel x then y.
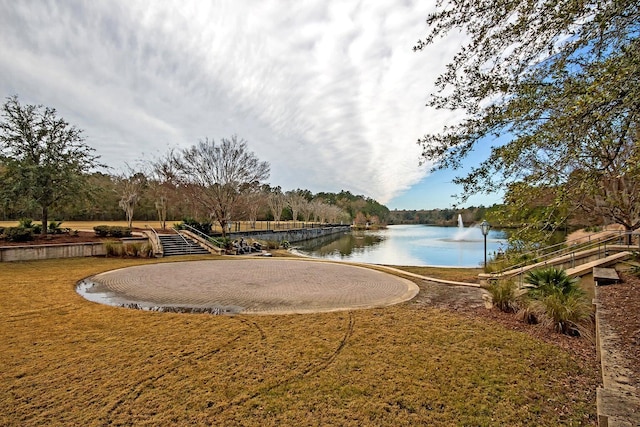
{"type": "Point", "coordinates": [560, 80]}
{"type": "Point", "coordinates": [44, 159]}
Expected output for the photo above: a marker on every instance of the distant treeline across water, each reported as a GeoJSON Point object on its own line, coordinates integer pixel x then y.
{"type": "Point", "coordinates": [441, 217]}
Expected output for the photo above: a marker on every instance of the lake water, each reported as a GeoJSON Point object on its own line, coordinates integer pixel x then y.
{"type": "Point", "coordinates": [409, 245]}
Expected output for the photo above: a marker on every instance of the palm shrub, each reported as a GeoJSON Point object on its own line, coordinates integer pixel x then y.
{"type": "Point", "coordinates": [54, 227]}
{"type": "Point", "coordinates": [504, 295]}
{"type": "Point", "coordinates": [556, 299]}
{"type": "Point", "coordinates": [25, 223]}
{"type": "Point", "coordinates": [546, 281]}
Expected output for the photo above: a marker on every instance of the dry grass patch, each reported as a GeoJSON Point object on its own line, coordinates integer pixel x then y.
{"type": "Point", "coordinates": [68, 361]}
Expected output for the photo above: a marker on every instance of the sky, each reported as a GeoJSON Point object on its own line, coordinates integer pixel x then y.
{"type": "Point", "coordinates": [328, 92]}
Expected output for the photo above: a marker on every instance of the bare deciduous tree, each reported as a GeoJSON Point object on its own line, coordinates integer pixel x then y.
{"type": "Point", "coordinates": [215, 175]}
{"type": "Point", "coordinates": [254, 199]}
{"type": "Point", "coordinates": [276, 202]}
{"type": "Point", "coordinates": [130, 187]}
{"type": "Point", "coordinates": [295, 201]}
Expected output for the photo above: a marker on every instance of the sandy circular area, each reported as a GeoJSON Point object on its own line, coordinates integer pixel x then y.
{"type": "Point", "coordinates": [261, 286]}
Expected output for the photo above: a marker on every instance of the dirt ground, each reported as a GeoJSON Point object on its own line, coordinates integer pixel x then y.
{"type": "Point", "coordinates": [468, 302]}
{"type": "Point", "coordinates": [623, 303]}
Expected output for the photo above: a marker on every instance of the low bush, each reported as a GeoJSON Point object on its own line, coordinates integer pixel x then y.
{"type": "Point", "coordinates": [271, 244]}
{"type": "Point", "coordinates": [101, 230]}
{"type": "Point", "coordinates": [504, 295]}
{"type": "Point", "coordinates": [113, 249]}
{"type": "Point", "coordinates": [132, 249]}
{"type": "Point", "coordinates": [138, 250]}
{"type": "Point", "coordinates": [18, 234]}
{"type": "Point", "coordinates": [555, 299]}
{"type": "Point", "coordinates": [568, 313]}
{"type": "Point", "coordinates": [112, 231]}
{"type": "Point", "coordinates": [147, 250]}
{"type": "Point", "coordinates": [116, 231]}
{"type": "Point", "coordinates": [25, 223]}
{"type": "Point", "coordinates": [203, 227]}
{"type": "Point", "coordinates": [222, 242]}
{"type": "Point", "coordinates": [54, 227]}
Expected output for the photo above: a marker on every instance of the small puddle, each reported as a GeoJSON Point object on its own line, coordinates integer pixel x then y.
{"type": "Point", "coordinates": [99, 293]}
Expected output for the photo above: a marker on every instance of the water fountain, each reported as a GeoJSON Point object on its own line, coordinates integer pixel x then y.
{"type": "Point", "coordinates": [471, 234]}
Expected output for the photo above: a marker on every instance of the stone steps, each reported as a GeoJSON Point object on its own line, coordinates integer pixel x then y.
{"type": "Point", "coordinates": [175, 244]}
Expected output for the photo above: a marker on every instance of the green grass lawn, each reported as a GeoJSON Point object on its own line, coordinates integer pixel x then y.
{"type": "Point", "coordinates": [68, 361]}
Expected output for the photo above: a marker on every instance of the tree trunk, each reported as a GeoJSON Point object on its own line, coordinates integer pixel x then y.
{"type": "Point", "coordinates": [629, 236]}
{"type": "Point", "coordinates": [45, 220]}
{"type": "Point", "coordinates": [223, 225]}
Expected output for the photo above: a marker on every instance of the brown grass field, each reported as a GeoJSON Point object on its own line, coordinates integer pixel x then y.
{"type": "Point", "coordinates": [68, 361]}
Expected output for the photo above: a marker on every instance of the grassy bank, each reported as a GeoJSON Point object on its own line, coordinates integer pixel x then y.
{"type": "Point", "coordinates": [68, 361]}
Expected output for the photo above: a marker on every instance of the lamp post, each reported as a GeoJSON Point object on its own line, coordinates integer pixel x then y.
{"type": "Point", "coordinates": [485, 227]}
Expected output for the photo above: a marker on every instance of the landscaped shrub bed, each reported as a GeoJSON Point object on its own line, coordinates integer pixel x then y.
{"type": "Point", "coordinates": [112, 231]}
{"type": "Point", "coordinates": [16, 234]}
{"type": "Point", "coordinates": [133, 250]}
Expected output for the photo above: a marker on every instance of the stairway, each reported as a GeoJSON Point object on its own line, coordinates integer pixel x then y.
{"type": "Point", "coordinates": [175, 244]}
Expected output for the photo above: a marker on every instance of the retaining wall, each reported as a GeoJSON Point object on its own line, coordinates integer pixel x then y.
{"type": "Point", "coordinates": [291, 236]}
{"type": "Point", "coordinates": [61, 250]}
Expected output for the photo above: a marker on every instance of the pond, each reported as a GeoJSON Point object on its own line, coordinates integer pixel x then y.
{"type": "Point", "coordinates": [409, 245]}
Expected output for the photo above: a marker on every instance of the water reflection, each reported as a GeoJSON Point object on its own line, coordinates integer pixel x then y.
{"type": "Point", "coordinates": [408, 245]}
{"type": "Point", "coordinates": [344, 245]}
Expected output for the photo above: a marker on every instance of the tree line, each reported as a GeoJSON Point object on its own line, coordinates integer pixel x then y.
{"type": "Point", "coordinates": [443, 217]}
{"type": "Point", "coordinates": [47, 171]}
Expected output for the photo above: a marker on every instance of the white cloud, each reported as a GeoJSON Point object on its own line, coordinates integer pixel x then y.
{"type": "Point", "coordinates": [329, 92]}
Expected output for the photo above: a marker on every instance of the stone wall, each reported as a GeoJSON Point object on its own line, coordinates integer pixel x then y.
{"type": "Point", "coordinates": [59, 250]}
{"type": "Point", "coordinates": [292, 236]}
{"type": "Point", "coordinates": [63, 250]}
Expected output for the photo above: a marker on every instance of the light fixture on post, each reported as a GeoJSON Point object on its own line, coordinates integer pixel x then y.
{"type": "Point", "coordinates": [485, 227]}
